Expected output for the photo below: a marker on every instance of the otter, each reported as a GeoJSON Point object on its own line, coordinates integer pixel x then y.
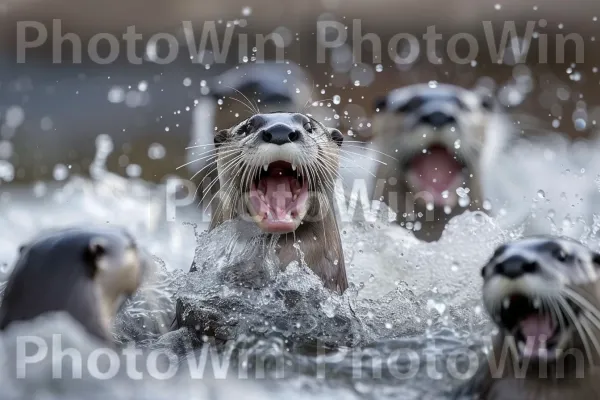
{"type": "Point", "coordinates": [543, 294]}
{"type": "Point", "coordinates": [437, 135]}
{"type": "Point", "coordinates": [277, 171]}
{"type": "Point", "coordinates": [86, 272]}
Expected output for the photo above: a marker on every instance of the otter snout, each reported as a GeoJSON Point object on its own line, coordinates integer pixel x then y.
{"type": "Point", "coordinates": [280, 134]}
{"type": "Point", "coordinates": [515, 267]}
{"type": "Point", "coordinates": [437, 119]}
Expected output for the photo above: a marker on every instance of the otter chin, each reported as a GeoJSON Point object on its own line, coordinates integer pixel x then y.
{"type": "Point", "coordinates": [543, 294]}
{"type": "Point", "coordinates": [278, 197]}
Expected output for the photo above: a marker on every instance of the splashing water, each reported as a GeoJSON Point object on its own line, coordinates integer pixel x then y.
{"type": "Point", "coordinates": [410, 308]}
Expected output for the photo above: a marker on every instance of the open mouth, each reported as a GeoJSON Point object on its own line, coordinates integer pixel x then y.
{"type": "Point", "coordinates": [437, 171]}
{"type": "Point", "coordinates": [278, 198]}
{"type": "Point", "coordinates": [539, 332]}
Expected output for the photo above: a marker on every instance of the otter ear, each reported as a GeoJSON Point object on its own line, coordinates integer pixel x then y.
{"type": "Point", "coordinates": [380, 103]}
{"type": "Point", "coordinates": [337, 136]}
{"type": "Point", "coordinates": [96, 249]}
{"type": "Point", "coordinates": [221, 137]}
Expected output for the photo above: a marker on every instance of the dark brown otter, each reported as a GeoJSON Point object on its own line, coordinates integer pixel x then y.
{"type": "Point", "coordinates": [437, 134]}
{"type": "Point", "coordinates": [543, 294]}
{"type": "Point", "coordinates": [86, 272]}
{"type": "Point", "coordinates": [278, 170]}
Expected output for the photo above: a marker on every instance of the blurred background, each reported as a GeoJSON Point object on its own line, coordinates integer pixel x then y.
{"type": "Point", "coordinates": [52, 113]}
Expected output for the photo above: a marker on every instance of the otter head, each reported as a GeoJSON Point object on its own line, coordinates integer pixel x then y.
{"type": "Point", "coordinates": [437, 134]}
{"type": "Point", "coordinates": [543, 293]}
{"type": "Point", "coordinates": [88, 273]}
{"type": "Point", "coordinates": [275, 168]}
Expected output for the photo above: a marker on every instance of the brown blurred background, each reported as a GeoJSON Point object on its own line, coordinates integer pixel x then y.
{"type": "Point", "coordinates": [52, 113]}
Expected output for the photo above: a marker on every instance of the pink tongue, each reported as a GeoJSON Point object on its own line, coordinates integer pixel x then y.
{"type": "Point", "coordinates": [537, 329]}
{"type": "Point", "coordinates": [437, 169]}
{"type": "Point", "coordinates": [273, 197]}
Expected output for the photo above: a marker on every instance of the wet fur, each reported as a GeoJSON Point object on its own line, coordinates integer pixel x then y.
{"type": "Point", "coordinates": [319, 240]}
{"type": "Point", "coordinates": [61, 271]}
{"type": "Point", "coordinates": [395, 133]}
{"type": "Point", "coordinates": [571, 384]}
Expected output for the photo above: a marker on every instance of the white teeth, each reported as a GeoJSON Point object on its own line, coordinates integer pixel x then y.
{"type": "Point", "coordinates": [293, 167]}
{"type": "Point", "coordinates": [506, 303]}
{"type": "Point", "coordinates": [537, 303]}
{"type": "Point", "coordinates": [266, 167]}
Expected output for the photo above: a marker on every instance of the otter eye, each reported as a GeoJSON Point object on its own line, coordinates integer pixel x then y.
{"type": "Point", "coordinates": [560, 255]}
{"type": "Point", "coordinates": [308, 127]}
{"type": "Point", "coordinates": [244, 130]}
{"type": "Point", "coordinates": [487, 103]}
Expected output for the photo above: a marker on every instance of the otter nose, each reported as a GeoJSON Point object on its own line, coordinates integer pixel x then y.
{"type": "Point", "coordinates": [280, 134]}
{"type": "Point", "coordinates": [515, 267]}
{"type": "Point", "coordinates": [437, 119]}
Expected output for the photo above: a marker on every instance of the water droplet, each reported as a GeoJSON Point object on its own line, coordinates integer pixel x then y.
{"type": "Point", "coordinates": [246, 11]}
{"type": "Point", "coordinates": [116, 94]}
{"type": "Point", "coordinates": [580, 124]}
{"type": "Point", "coordinates": [15, 115]}
{"type": "Point", "coordinates": [336, 99]}
{"type": "Point", "coordinates": [541, 194]}
{"type": "Point", "coordinates": [187, 82]}
{"type": "Point", "coordinates": [498, 6]}
{"type": "Point", "coordinates": [61, 172]}
{"type": "Point", "coordinates": [487, 205]}
{"type": "Point", "coordinates": [156, 151]}
{"type": "Point", "coordinates": [457, 144]}
{"type": "Point", "coordinates": [143, 86]}
{"type": "Point", "coordinates": [379, 68]}
{"type": "Point", "coordinates": [433, 84]}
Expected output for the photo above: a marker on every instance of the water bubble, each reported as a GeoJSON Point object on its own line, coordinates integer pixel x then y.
{"type": "Point", "coordinates": [457, 144]}
{"type": "Point", "coordinates": [187, 82]}
{"type": "Point", "coordinates": [246, 11]}
{"type": "Point", "coordinates": [429, 206]}
{"type": "Point", "coordinates": [445, 194]}
{"type": "Point", "coordinates": [541, 194]}
{"type": "Point", "coordinates": [336, 99]}
{"type": "Point", "coordinates": [461, 191]}
{"type": "Point", "coordinates": [433, 84]}
{"type": "Point", "coordinates": [15, 115]}
{"type": "Point", "coordinates": [454, 267]}
{"type": "Point", "coordinates": [447, 209]}
{"type": "Point", "coordinates": [61, 172]}
{"type": "Point", "coordinates": [575, 76]}
{"type": "Point", "coordinates": [143, 86]}
{"type": "Point", "coordinates": [379, 68]}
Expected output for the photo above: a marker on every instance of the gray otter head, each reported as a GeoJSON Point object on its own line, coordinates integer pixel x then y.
{"type": "Point", "coordinates": [543, 294]}
{"type": "Point", "coordinates": [277, 168]}
{"type": "Point", "coordinates": [436, 134]}
{"type": "Point", "coordinates": [278, 171]}
{"type": "Point", "coordinates": [88, 273]}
